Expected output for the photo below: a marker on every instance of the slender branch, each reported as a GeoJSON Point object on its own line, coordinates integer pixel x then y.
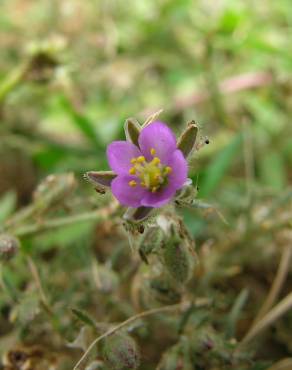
{"type": "Point", "coordinates": [182, 305]}
{"type": "Point", "coordinates": [278, 282]}
{"type": "Point", "coordinates": [36, 277]}
{"type": "Point", "coordinates": [280, 309]}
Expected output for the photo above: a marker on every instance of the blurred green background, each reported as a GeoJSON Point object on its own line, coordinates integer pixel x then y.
{"type": "Point", "coordinates": [225, 64]}
{"type": "Point", "coordinates": [72, 71]}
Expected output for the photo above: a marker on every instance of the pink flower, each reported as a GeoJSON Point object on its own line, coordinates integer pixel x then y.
{"type": "Point", "coordinates": [148, 175]}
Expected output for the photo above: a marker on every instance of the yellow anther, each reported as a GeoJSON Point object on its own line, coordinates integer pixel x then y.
{"type": "Point", "coordinates": [156, 160]}
{"type": "Point", "coordinates": [141, 159]}
{"type": "Point", "coordinates": [133, 160]}
{"type": "Point", "coordinates": [143, 184]}
{"type": "Point", "coordinates": [168, 170]}
{"type": "Point", "coordinates": [132, 171]}
{"type": "Point", "coordinates": [152, 151]}
{"type": "Point", "coordinates": [132, 183]}
{"type": "Point", "coordinates": [153, 190]}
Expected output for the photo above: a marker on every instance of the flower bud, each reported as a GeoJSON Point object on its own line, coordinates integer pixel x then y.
{"type": "Point", "coordinates": [163, 291]}
{"type": "Point", "coordinates": [187, 140]}
{"type": "Point", "coordinates": [178, 257]}
{"type": "Point", "coordinates": [95, 365]}
{"type": "Point", "coordinates": [9, 246]}
{"type": "Point", "coordinates": [132, 130]}
{"type": "Point", "coordinates": [150, 241]}
{"type": "Point", "coordinates": [175, 358]}
{"type": "Point", "coordinates": [106, 279]}
{"type": "Point", "coordinates": [53, 189]}
{"type": "Point", "coordinates": [121, 352]}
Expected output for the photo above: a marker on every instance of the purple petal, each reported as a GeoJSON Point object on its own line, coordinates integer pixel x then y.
{"type": "Point", "coordinates": [179, 173]}
{"type": "Point", "coordinates": [159, 137]}
{"type": "Point", "coordinates": [119, 155]}
{"type": "Point", "coordinates": [158, 199]}
{"type": "Point", "coordinates": [127, 195]}
{"type": "Point", "coordinates": [176, 180]}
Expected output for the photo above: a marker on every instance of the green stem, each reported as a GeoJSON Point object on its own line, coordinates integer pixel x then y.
{"type": "Point", "coordinates": [98, 215]}
{"type": "Point", "coordinates": [213, 86]}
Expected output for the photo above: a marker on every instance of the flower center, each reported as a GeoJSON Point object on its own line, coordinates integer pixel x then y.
{"type": "Point", "coordinates": [152, 175]}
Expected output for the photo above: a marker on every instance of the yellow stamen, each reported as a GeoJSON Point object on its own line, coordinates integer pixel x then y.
{"type": "Point", "coordinates": [133, 160]}
{"type": "Point", "coordinates": [143, 184]}
{"type": "Point", "coordinates": [156, 160]}
{"type": "Point", "coordinates": [132, 183]}
{"type": "Point", "coordinates": [141, 159]}
{"type": "Point", "coordinates": [152, 151]}
{"type": "Point", "coordinates": [132, 171]}
{"type": "Point", "coordinates": [168, 170]}
{"type": "Point", "coordinates": [153, 190]}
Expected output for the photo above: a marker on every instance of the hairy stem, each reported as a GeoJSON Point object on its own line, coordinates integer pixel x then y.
{"type": "Point", "coordinates": [36, 277]}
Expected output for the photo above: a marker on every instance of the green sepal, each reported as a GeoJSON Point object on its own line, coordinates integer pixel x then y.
{"type": "Point", "coordinates": [100, 179]}
{"type": "Point", "coordinates": [137, 214]}
{"type": "Point", "coordinates": [152, 118]}
{"type": "Point", "coordinates": [132, 130]}
{"type": "Point", "coordinates": [187, 140]}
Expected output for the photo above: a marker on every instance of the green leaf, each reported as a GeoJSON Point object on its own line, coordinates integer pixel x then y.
{"type": "Point", "coordinates": [28, 308]}
{"type": "Point", "coordinates": [235, 312]}
{"type": "Point", "coordinates": [272, 171]}
{"type": "Point", "coordinates": [7, 205]}
{"type": "Point", "coordinates": [219, 166]}
{"type": "Point", "coordinates": [82, 122]}
{"type": "Point", "coordinates": [84, 317]}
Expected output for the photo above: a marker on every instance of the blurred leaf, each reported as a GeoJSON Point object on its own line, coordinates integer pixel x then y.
{"type": "Point", "coordinates": [84, 317]}
{"type": "Point", "coordinates": [231, 19]}
{"type": "Point", "coordinates": [27, 308]}
{"type": "Point", "coordinates": [82, 122]}
{"type": "Point", "coordinates": [7, 205]}
{"type": "Point", "coordinates": [235, 312]}
{"type": "Point", "coordinates": [8, 284]}
{"type": "Point", "coordinates": [218, 167]}
{"type": "Point", "coordinates": [82, 340]}
{"type": "Point", "coordinates": [272, 170]}
{"type": "Point", "coordinates": [65, 236]}
{"type": "Point", "coordinates": [47, 158]}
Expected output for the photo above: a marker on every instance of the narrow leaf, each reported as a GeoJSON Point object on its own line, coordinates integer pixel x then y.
{"type": "Point", "coordinates": [84, 317]}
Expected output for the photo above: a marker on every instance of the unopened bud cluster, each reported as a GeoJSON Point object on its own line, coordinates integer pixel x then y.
{"type": "Point", "coordinates": [9, 246]}
{"type": "Point", "coordinates": [120, 352]}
